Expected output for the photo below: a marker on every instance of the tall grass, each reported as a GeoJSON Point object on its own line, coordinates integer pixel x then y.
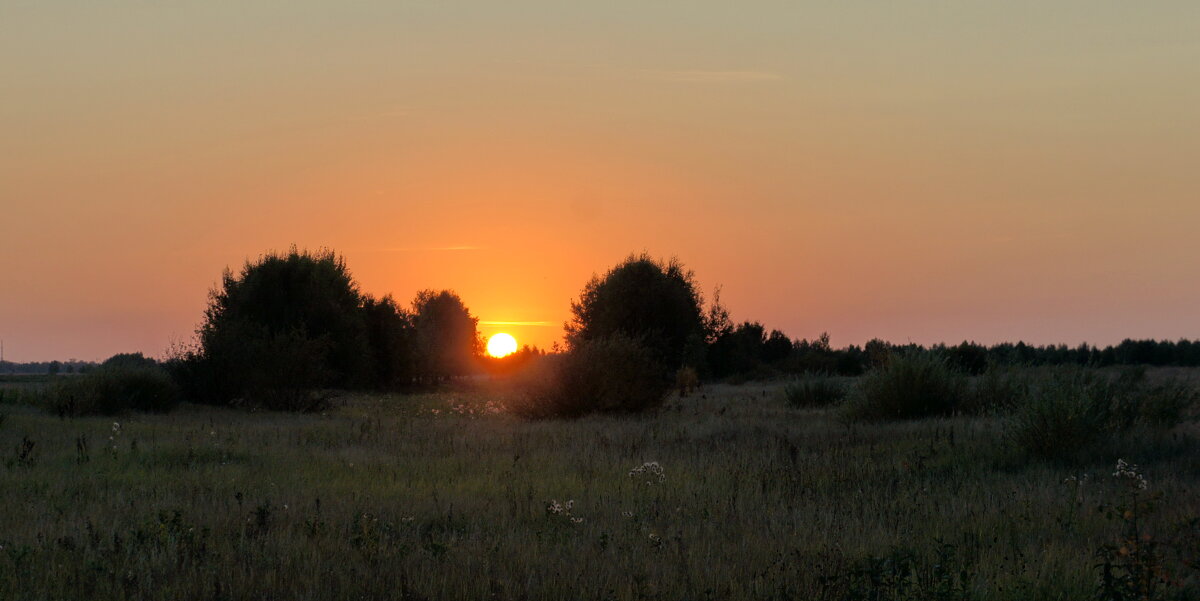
{"type": "Point", "coordinates": [998, 390]}
{"type": "Point", "coordinates": [440, 496]}
{"type": "Point", "coordinates": [815, 390]}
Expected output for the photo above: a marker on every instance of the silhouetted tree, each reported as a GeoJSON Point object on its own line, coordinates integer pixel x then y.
{"type": "Point", "coordinates": [653, 302]}
{"type": "Point", "coordinates": [392, 339]}
{"type": "Point", "coordinates": [738, 351]}
{"type": "Point", "coordinates": [286, 324]}
{"type": "Point", "coordinates": [446, 334]}
{"type": "Point", "coordinates": [776, 347]}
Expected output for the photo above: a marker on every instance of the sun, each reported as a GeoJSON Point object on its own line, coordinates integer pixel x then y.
{"type": "Point", "coordinates": [500, 345]}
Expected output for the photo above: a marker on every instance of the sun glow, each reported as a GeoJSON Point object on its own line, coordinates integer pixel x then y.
{"type": "Point", "coordinates": [501, 345]}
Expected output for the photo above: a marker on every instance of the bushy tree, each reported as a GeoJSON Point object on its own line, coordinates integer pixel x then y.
{"type": "Point", "coordinates": [283, 326]}
{"type": "Point", "coordinates": [653, 302]}
{"type": "Point", "coordinates": [447, 335]}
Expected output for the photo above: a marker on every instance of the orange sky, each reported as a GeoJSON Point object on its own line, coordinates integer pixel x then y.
{"type": "Point", "coordinates": [921, 171]}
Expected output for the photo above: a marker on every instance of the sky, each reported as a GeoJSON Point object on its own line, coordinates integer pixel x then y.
{"type": "Point", "coordinates": [912, 171]}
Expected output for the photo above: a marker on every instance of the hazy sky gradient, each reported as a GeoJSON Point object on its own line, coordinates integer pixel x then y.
{"type": "Point", "coordinates": [924, 171]}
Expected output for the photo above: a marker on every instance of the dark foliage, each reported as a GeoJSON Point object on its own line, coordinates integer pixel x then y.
{"type": "Point", "coordinates": [1069, 410]}
{"type": "Point", "coordinates": [815, 391]}
{"type": "Point", "coordinates": [511, 363]}
{"type": "Point", "coordinates": [909, 385]}
{"type": "Point", "coordinates": [129, 360]}
{"type": "Point", "coordinates": [113, 390]}
{"type": "Point", "coordinates": [738, 351]}
{"type": "Point", "coordinates": [447, 337]}
{"type": "Point", "coordinates": [290, 326]}
{"type": "Point", "coordinates": [391, 338]}
{"type": "Point", "coordinates": [654, 302]}
{"type": "Point", "coordinates": [606, 375]}
{"type": "Point", "coordinates": [300, 303]}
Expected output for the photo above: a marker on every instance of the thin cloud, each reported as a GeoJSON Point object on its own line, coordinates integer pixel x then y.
{"type": "Point", "coordinates": [518, 323]}
{"type": "Point", "coordinates": [718, 77]}
{"type": "Point", "coordinates": [426, 249]}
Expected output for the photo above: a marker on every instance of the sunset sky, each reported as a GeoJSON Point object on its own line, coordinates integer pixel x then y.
{"type": "Point", "coordinates": [914, 171]}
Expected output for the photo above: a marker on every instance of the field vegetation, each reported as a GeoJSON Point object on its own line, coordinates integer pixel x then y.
{"type": "Point", "coordinates": [729, 493]}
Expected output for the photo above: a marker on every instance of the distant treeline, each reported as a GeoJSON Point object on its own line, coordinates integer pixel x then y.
{"type": "Point", "coordinates": [71, 366]}
{"type": "Point", "coordinates": [748, 351]}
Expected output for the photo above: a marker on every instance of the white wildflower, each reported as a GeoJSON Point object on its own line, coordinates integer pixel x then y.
{"type": "Point", "coordinates": [651, 469]}
{"type": "Point", "coordinates": [1129, 472]}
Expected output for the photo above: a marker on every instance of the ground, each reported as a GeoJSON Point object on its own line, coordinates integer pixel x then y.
{"type": "Point", "coordinates": [441, 496]}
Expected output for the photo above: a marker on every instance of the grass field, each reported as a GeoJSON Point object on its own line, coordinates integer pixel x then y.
{"type": "Point", "coordinates": [441, 496]}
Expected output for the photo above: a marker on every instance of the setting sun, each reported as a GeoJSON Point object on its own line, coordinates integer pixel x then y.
{"type": "Point", "coordinates": [501, 345]}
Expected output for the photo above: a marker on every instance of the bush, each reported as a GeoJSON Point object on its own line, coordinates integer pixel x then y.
{"type": "Point", "coordinates": [1168, 405]}
{"type": "Point", "coordinates": [999, 389]}
{"type": "Point", "coordinates": [814, 391]}
{"type": "Point", "coordinates": [1064, 414]}
{"type": "Point", "coordinates": [607, 375]}
{"type": "Point", "coordinates": [907, 386]}
{"type": "Point", "coordinates": [113, 390]}
{"type": "Point", "coordinates": [1072, 409]}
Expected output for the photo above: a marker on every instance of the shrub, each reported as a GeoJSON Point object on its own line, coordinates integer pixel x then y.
{"type": "Point", "coordinates": [1165, 404]}
{"type": "Point", "coordinates": [906, 386]}
{"type": "Point", "coordinates": [815, 391]}
{"type": "Point", "coordinates": [113, 390]}
{"type": "Point", "coordinates": [608, 375]}
{"type": "Point", "coordinates": [1072, 409]}
{"type": "Point", "coordinates": [999, 389]}
{"type": "Point", "coordinates": [1168, 405]}
{"type": "Point", "coordinates": [1066, 413]}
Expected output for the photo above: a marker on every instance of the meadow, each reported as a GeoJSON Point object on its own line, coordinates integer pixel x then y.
{"type": "Point", "coordinates": [728, 493]}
